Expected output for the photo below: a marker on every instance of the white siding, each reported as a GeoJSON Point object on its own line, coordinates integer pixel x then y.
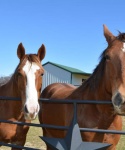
{"type": "Point", "coordinates": [77, 79]}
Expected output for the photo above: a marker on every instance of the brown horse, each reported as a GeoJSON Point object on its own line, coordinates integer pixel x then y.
{"type": "Point", "coordinates": [107, 82]}
{"type": "Point", "coordinates": [26, 84]}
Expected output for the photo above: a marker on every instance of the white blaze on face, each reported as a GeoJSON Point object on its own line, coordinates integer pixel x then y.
{"type": "Point", "coordinates": [31, 92]}
{"type": "Point", "coordinates": [123, 48]}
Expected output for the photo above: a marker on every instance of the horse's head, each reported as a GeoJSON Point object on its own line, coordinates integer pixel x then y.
{"type": "Point", "coordinates": [114, 57]}
{"type": "Point", "coordinates": [28, 76]}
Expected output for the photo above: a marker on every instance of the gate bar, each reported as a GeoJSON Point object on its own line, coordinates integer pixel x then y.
{"type": "Point", "coordinates": [64, 127]}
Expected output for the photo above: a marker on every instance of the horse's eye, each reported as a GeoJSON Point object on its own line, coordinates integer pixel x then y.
{"type": "Point", "coordinates": [42, 74]}
{"type": "Point", "coordinates": [107, 57]}
{"type": "Point", "coordinates": [19, 74]}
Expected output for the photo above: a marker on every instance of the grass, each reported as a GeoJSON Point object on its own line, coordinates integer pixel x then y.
{"type": "Point", "coordinates": [34, 141]}
{"type": "Point", "coordinates": [121, 144]}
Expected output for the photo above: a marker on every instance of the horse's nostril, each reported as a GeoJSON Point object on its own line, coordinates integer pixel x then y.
{"type": "Point", "coordinates": [25, 109]}
{"type": "Point", "coordinates": [118, 99]}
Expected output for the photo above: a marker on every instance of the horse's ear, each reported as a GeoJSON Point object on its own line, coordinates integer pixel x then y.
{"type": "Point", "coordinates": [41, 52]}
{"type": "Point", "coordinates": [20, 51]}
{"type": "Point", "coordinates": [108, 35]}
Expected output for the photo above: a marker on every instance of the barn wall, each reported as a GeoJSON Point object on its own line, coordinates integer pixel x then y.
{"type": "Point", "coordinates": [55, 74]}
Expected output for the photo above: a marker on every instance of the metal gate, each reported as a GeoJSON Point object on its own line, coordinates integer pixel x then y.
{"type": "Point", "coordinates": [73, 140]}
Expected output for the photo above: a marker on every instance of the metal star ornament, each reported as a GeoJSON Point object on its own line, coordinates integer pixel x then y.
{"type": "Point", "coordinates": [73, 140]}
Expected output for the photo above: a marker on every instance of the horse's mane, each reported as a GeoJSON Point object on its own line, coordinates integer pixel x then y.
{"type": "Point", "coordinates": [97, 75]}
{"type": "Point", "coordinates": [121, 36]}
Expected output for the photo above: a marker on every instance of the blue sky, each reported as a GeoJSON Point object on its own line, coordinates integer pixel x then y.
{"type": "Point", "coordinates": [71, 30]}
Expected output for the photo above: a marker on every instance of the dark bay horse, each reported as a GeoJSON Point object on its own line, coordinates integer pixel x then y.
{"type": "Point", "coordinates": [107, 82]}
{"type": "Point", "coordinates": [26, 84]}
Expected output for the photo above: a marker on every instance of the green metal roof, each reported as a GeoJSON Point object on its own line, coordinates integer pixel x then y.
{"type": "Point", "coordinates": [69, 69]}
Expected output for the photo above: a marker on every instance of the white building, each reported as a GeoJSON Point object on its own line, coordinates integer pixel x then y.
{"type": "Point", "coordinates": [62, 74]}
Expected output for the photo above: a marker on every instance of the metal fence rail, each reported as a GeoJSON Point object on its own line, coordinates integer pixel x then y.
{"type": "Point", "coordinates": [74, 102]}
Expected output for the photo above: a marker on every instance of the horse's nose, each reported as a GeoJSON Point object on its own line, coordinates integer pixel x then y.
{"type": "Point", "coordinates": [117, 99]}
{"type": "Point", "coordinates": [31, 111]}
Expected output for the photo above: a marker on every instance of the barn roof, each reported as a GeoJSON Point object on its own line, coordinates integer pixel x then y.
{"type": "Point", "coordinates": [69, 69]}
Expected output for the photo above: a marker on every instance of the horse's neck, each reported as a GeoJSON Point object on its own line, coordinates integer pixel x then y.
{"type": "Point", "coordinates": [95, 89]}
{"type": "Point", "coordinates": [92, 91]}
{"type": "Point", "coordinates": [9, 89]}
{"type": "Point", "coordinates": [86, 93]}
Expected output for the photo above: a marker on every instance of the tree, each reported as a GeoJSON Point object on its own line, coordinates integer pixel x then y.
{"type": "Point", "coordinates": [4, 79]}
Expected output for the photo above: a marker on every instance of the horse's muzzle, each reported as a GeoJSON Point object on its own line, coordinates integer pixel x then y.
{"type": "Point", "coordinates": [31, 113]}
{"type": "Point", "coordinates": [118, 101]}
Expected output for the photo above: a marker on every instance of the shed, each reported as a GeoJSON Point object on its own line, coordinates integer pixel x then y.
{"type": "Point", "coordinates": [57, 73]}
